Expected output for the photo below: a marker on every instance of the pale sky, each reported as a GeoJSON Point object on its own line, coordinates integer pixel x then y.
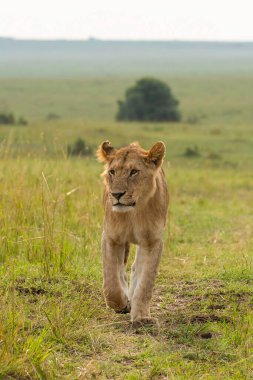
{"type": "Point", "coordinates": [128, 19]}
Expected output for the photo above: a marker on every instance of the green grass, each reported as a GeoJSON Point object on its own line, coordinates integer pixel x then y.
{"type": "Point", "coordinates": [54, 323]}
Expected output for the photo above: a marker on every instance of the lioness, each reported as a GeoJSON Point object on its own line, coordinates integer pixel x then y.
{"type": "Point", "coordinates": [135, 202]}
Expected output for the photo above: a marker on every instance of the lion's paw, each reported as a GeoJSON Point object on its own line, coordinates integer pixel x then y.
{"type": "Point", "coordinates": [142, 322]}
{"type": "Point", "coordinates": [125, 310]}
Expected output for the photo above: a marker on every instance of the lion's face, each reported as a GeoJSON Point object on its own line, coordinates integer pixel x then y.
{"type": "Point", "coordinates": [128, 180]}
{"type": "Point", "coordinates": [130, 174]}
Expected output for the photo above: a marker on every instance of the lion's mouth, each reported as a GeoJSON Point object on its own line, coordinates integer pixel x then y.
{"type": "Point", "coordinates": [124, 205]}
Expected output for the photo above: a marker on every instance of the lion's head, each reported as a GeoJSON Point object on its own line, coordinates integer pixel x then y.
{"type": "Point", "coordinates": [130, 173]}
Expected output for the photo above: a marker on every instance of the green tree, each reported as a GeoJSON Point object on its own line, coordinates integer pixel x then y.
{"type": "Point", "coordinates": [149, 100]}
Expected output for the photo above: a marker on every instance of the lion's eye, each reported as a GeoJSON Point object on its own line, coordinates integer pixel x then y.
{"type": "Point", "coordinates": [111, 172]}
{"type": "Point", "coordinates": [133, 172]}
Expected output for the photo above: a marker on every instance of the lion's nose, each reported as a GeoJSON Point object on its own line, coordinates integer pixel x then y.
{"type": "Point", "coordinates": [118, 195]}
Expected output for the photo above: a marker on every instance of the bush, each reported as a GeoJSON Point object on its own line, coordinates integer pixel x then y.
{"type": "Point", "coordinates": [22, 121]}
{"type": "Point", "coordinates": [79, 148]}
{"type": "Point", "coordinates": [192, 152]}
{"type": "Point", "coordinates": [149, 100]}
{"type": "Point", "coordinates": [52, 116]}
{"type": "Point", "coordinates": [214, 156]}
{"type": "Point", "coordinates": [9, 119]}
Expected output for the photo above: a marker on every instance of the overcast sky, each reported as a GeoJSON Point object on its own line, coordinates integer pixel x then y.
{"type": "Point", "coordinates": [128, 19]}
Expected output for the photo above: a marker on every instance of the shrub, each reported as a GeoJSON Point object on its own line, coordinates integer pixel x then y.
{"type": "Point", "coordinates": [52, 116]}
{"type": "Point", "coordinates": [192, 152]}
{"type": "Point", "coordinates": [193, 120]}
{"type": "Point", "coordinates": [7, 118]}
{"type": "Point", "coordinates": [22, 121]}
{"type": "Point", "coordinates": [149, 100]}
{"type": "Point", "coordinates": [79, 148]}
{"type": "Point", "coordinates": [214, 156]}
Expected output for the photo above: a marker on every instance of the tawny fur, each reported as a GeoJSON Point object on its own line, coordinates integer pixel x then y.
{"type": "Point", "coordinates": [137, 217]}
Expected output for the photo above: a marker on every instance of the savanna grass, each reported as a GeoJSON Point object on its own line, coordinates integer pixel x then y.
{"type": "Point", "coordinates": [54, 323]}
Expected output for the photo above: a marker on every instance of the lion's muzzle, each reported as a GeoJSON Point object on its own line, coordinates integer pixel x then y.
{"type": "Point", "coordinates": [118, 195]}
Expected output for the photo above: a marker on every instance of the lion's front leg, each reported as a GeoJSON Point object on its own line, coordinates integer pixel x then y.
{"type": "Point", "coordinates": [143, 275]}
{"type": "Point", "coordinates": [115, 286]}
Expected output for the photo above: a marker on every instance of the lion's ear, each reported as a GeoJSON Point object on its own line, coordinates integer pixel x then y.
{"type": "Point", "coordinates": [105, 152]}
{"type": "Point", "coordinates": [156, 154]}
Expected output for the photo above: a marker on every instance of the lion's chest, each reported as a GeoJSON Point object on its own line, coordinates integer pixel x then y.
{"type": "Point", "coordinates": [132, 230]}
{"type": "Point", "coordinates": [122, 232]}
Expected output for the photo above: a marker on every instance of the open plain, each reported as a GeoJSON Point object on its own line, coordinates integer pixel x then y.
{"type": "Point", "coordinates": [53, 322]}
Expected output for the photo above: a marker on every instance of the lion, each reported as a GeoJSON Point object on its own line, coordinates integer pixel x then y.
{"type": "Point", "coordinates": [135, 202]}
